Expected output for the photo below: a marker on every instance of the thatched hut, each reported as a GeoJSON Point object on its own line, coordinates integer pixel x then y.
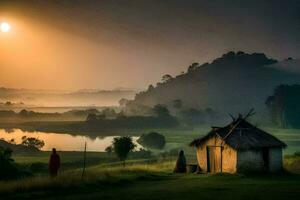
{"type": "Point", "coordinates": [238, 147]}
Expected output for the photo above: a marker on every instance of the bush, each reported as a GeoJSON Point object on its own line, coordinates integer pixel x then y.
{"type": "Point", "coordinates": [8, 168]}
{"type": "Point", "coordinates": [152, 140]}
{"type": "Point", "coordinates": [109, 149]}
{"type": "Point", "coordinates": [297, 153]}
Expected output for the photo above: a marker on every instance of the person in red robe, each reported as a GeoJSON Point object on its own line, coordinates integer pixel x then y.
{"type": "Point", "coordinates": [54, 163]}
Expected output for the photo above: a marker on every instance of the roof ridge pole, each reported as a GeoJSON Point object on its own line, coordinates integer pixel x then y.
{"type": "Point", "coordinates": [233, 119]}
{"type": "Point", "coordinates": [250, 113]}
{"type": "Point", "coordinates": [231, 130]}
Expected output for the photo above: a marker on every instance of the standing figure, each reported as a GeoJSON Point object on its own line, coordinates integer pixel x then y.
{"type": "Point", "coordinates": [180, 163]}
{"type": "Point", "coordinates": [54, 163]}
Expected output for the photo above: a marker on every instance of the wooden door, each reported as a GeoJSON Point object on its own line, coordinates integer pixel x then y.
{"type": "Point", "coordinates": [214, 159]}
{"type": "Point", "coordinates": [266, 159]}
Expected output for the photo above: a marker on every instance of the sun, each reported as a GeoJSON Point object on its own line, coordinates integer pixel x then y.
{"type": "Point", "coordinates": [4, 27]}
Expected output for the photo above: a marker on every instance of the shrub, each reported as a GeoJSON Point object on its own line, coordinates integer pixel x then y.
{"type": "Point", "coordinates": [8, 168]}
{"type": "Point", "coordinates": [152, 140]}
{"type": "Point", "coordinates": [109, 149]}
{"type": "Point", "coordinates": [297, 153]}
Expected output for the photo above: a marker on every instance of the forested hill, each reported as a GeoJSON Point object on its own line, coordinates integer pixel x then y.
{"type": "Point", "coordinates": [232, 83]}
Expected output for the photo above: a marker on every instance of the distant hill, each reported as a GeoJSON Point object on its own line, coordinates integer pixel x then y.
{"type": "Point", "coordinates": [233, 83]}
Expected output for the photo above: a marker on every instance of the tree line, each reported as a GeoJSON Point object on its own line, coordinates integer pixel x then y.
{"type": "Point", "coordinates": [284, 106]}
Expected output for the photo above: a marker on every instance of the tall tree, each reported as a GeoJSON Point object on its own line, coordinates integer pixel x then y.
{"type": "Point", "coordinates": [166, 78]}
{"type": "Point", "coordinates": [193, 67]}
{"type": "Point", "coordinates": [122, 146]}
{"type": "Point", "coordinates": [284, 105]}
{"type": "Point", "coordinates": [32, 142]}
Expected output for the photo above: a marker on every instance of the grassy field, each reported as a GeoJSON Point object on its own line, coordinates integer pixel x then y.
{"type": "Point", "coordinates": [105, 178]}
{"type": "Point", "coordinates": [152, 181]}
{"type": "Point", "coordinates": [152, 178]}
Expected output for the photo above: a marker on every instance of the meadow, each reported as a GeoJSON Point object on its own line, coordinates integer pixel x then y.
{"type": "Point", "coordinates": [154, 180]}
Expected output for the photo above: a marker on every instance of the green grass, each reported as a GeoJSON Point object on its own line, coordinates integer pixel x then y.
{"type": "Point", "coordinates": [151, 181]}
{"type": "Point", "coordinates": [66, 157]}
{"type": "Point", "coordinates": [37, 163]}
{"type": "Point", "coordinates": [147, 179]}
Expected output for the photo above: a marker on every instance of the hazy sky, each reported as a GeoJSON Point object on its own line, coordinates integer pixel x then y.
{"type": "Point", "coordinates": [74, 44]}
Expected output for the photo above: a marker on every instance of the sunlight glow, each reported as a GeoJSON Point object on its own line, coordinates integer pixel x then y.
{"type": "Point", "coordinates": [4, 27]}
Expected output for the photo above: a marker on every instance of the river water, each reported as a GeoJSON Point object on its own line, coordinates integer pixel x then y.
{"type": "Point", "coordinates": [62, 142]}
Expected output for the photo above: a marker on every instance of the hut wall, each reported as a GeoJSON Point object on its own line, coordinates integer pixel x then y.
{"type": "Point", "coordinates": [249, 160]}
{"type": "Point", "coordinates": [275, 159]}
{"type": "Point", "coordinates": [229, 159]}
{"type": "Point", "coordinates": [229, 155]}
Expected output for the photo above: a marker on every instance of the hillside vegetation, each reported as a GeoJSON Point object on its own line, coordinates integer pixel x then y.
{"type": "Point", "coordinates": [233, 83]}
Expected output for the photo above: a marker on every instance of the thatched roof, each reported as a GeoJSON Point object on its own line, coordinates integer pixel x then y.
{"type": "Point", "coordinates": [241, 135]}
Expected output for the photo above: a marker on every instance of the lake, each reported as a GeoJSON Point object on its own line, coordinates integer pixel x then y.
{"type": "Point", "coordinates": [62, 142]}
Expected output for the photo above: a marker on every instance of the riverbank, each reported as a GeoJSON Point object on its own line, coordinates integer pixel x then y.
{"type": "Point", "coordinates": [176, 138]}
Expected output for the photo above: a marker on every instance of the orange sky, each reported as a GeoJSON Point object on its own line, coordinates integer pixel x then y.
{"type": "Point", "coordinates": [36, 56]}
{"type": "Point", "coordinates": [107, 44]}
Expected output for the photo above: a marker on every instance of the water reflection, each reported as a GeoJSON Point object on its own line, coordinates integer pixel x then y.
{"type": "Point", "coordinates": [62, 142]}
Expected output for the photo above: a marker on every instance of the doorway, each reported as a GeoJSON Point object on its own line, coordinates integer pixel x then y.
{"type": "Point", "coordinates": [266, 159]}
{"type": "Point", "coordinates": [214, 159]}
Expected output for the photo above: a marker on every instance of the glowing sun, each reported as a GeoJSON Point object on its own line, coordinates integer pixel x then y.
{"type": "Point", "coordinates": [4, 27]}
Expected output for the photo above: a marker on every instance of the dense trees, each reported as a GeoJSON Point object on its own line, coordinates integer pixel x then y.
{"type": "Point", "coordinates": [284, 106]}
{"type": "Point", "coordinates": [29, 115]}
{"type": "Point", "coordinates": [150, 88]}
{"type": "Point", "coordinates": [123, 102]}
{"type": "Point", "coordinates": [152, 140]}
{"type": "Point", "coordinates": [32, 142]}
{"type": "Point", "coordinates": [158, 117]}
{"type": "Point", "coordinates": [91, 118]}
{"type": "Point", "coordinates": [161, 110]}
{"type": "Point", "coordinates": [128, 122]}
{"type": "Point", "coordinates": [166, 78]}
{"type": "Point", "coordinates": [193, 67]}
{"type": "Point", "coordinates": [218, 85]}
